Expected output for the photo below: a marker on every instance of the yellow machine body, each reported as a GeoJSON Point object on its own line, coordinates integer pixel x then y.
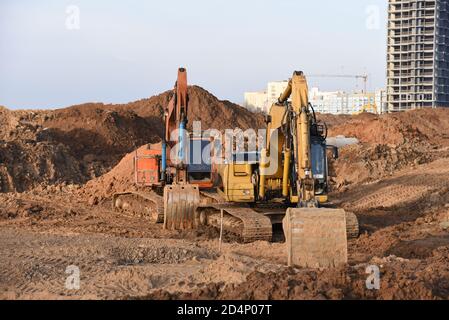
{"type": "Point", "coordinates": [288, 171]}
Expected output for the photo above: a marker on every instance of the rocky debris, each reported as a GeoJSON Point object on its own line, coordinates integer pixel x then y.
{"type": "Point", "coordinates": [399, 279]}
{"type": "Point", "coordinates": [14, 208]}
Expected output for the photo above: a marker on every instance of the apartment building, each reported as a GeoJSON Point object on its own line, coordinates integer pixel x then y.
{"type": "Point", "coordinates": [418, 54]}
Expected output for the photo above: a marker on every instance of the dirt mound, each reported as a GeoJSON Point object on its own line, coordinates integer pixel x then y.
{"type": "Point", "coordinates": [28, 160]}
{"type": "Point", "coordinates": [369, 162]}
{"type": "Point", "coordinates": [333, 120]}
{"type": "Point", "coordinates": [70, 145]}
{"type": "Point", "coordinates": [203, 106]}
{"type": "Point", "coordinates": [388, 143]}
{"type": "Point", "coordinates": [79, 143]}
{"type": "Point", "coordinates": [397, 128]}
{"type": "Point", "coordinates": [119, 179]}
{"type": "Point", "coordinates": [400, 279]}
{"type": "Point", "coordinates": [99, 131]}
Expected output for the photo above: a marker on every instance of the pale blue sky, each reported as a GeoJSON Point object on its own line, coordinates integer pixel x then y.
{"type": "Point", "coordinates": [128, 50]}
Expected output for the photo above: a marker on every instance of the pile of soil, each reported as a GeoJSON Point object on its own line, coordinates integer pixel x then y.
{"type": "Point", "coordinates": [388, 143]}
{"type": "Point", "coordinates": [80, 143]}
{"type": "Point", "coordinates": [96, 132]}
{"type": "Point", "coordinates": [203, 106]}
{"type": "Point", "coordinates": [400, 279]}
{"type": "Point", "coordinates": [119, 179]}
{"type": "Point", "coordinates": [395, 128]}
{"type": "Point", "coordinates": [28, 159]}
{"type": "Point", "coordinates": [76, 144]}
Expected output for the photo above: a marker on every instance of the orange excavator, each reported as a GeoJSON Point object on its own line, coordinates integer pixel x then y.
{"type": "Point", "coordinates": [168, 183]}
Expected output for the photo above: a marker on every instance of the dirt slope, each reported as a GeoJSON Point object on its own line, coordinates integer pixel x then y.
{"type": "Point", "coordinates": [389, 143]}
{"type": "Point", "coordinates": [28, 159]}
{"type": "Point", "coordinates": [76, 144]}
{"type": "Point", "coordinates": [203, 106]}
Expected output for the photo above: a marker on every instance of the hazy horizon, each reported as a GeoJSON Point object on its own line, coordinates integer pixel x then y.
{"type": "Point", "coordinates": [60, 53]}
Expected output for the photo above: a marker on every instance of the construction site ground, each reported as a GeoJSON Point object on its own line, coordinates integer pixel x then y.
{"type": "Point", "coordinates": [57, 213]}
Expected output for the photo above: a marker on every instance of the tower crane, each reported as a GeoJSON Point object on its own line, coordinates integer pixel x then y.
{"type": "Point", "coordinates": [364, 77]}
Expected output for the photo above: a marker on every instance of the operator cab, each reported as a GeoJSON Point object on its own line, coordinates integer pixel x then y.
{"type": "Point", "coordinates": [199, 165]}
{"type": "Point", "coordinates": [319, 166]}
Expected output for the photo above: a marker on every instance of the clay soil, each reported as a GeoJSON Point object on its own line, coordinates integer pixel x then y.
{"type": "Point", "coordinates": [59, 168]}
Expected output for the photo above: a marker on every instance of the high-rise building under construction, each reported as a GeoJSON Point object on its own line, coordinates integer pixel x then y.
{"type": "Point", "coordinates": [418, 54]}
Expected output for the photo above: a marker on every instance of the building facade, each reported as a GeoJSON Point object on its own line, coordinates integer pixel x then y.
{"type": "Point", "coordinates": [340, 102]}
{"type": "Point", "coordinates": [274, 90]}
{"type": "Point", "coordinates": [334, 102]}
{"type": "Point", "coordinates": [418, 54]}
{"type": "Point", "coordinates": [256, 101]}
{"type": "Point", "coordinates": [262, 100]}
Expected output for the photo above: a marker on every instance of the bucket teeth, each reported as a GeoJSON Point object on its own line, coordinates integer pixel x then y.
{"type": "Point", "coordinates": [180, 205]}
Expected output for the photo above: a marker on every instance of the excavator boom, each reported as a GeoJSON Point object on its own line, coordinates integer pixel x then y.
{"type": "Point", "coordinates": [316, 237]}
{"type": "Point", "coordinates": [181, 199]}
{"type": "Point", "coordinates": [165, 166]}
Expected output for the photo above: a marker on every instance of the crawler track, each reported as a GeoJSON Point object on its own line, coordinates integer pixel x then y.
{"type": "Point", "coordinates": [241, 219]}
{"type": "Point", "coordinates": [147, 204]}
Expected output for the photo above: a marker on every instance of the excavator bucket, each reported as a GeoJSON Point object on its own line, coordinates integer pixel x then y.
{"type": "Point", "coordinates": [316, 237]}
{"type": "Point", "coordinates": [180, 204]}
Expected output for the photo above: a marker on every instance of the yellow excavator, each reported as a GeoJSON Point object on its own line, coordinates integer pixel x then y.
{"type": "Point", "coordinates": [316, 236]}
{"type": "Point", "coordinates": [286, 183]}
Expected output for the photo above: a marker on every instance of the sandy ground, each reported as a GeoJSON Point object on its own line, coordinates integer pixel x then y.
{"type": "Point", "coordinates": [404, 221]}
{"type": "Point", "coordinates": [59, 169]}
{"type": "Point", "coordinates": [118, 256]}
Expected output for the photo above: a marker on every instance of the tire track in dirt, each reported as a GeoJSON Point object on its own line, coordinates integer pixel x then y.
{"type": "Point", "coordinates": [33, 265]}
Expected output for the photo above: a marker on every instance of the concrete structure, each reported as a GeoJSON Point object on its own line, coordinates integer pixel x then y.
{"type": "Point", "coordinates": [340, 102]}
{"type": "Point", "coordinates": [275, 89]}
{"type": "Point", "coordinates": [256, 101]}
{"type": "Point", "coordinates": [380, 98]}
{"type": "Point", "coordinates": [418, 54]}
{"type": "Point", "coordinates": [335, 102]}
{"type": "Point", "coordinates": [262, 100]}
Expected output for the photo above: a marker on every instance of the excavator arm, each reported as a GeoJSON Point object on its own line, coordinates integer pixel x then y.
{"type": "Point", "coordinates": [316, 237]}
{"type": "Point", "coordinates": [176, 121]}
{"type": "Point", "coordinates": [301, 125]}
{"type": "Point", "coordinates": [181, 198]}
{"type": "Point", "coordinates": [176, 111]}
{"type": "Point", "coordinates": [294, 122]}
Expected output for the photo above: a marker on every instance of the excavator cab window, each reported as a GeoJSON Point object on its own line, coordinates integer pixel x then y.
{"type": "Point", "coordinates": [199, 164]}
{"type": "Point", "coordinates": [318, 150]}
